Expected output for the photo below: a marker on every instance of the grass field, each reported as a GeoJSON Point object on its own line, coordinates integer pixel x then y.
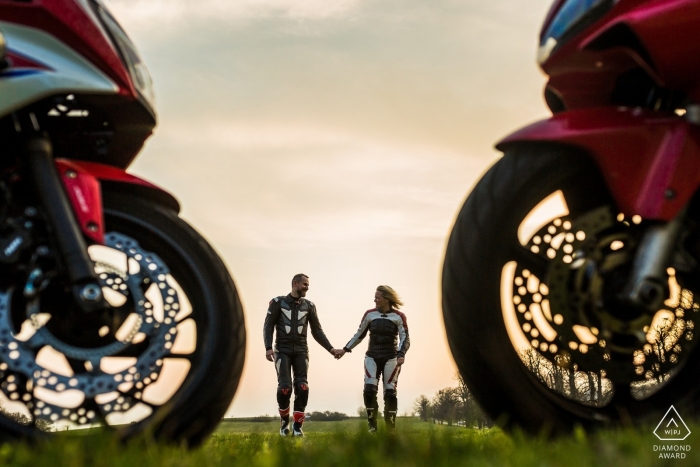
{"type": "Point", "coordinates": [347, 444]}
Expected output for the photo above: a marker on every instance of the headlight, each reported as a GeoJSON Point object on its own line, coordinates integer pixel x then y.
{"type": "Point", "coordinates": [137, 69]}
{"type": "Point", "coordinates": [572, 17]}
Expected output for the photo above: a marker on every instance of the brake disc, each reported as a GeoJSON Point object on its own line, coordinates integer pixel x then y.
{"type": "Point", "coordinates": [21, 375]}
{"type": "Point", "coordinates": [569, 317]}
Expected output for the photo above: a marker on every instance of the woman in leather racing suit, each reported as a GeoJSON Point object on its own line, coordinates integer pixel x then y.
{"type": "Point", "coordinates": [388, 344]}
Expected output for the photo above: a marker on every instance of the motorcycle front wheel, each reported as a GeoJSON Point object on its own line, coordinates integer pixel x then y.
{"type": "Point", "coordinates": [531, 272]}
{"type": "Point", "coordinates": [165, 360]}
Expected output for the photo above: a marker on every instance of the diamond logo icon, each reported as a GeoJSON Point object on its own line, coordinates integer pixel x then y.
{"type": "Point", "coordinates": [672, 427]}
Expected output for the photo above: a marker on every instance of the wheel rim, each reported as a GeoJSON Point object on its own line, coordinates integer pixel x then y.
{"type": "Point", "coordinates": [148, 361]}
{"type": "Point", "coordinates": [549, 293]}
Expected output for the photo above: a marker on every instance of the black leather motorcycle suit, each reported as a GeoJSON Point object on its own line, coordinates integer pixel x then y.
{"type": "Point", "coordinates": [388, 341]}
{"type": "Point", "coordinates": [291, 318]}
{"type": "Point", "coordinates": [388, 334]}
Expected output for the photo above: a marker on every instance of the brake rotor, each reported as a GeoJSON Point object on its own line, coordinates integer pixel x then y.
{"type": "Point", "coordinates": [571, 316]}
{"type": "Point", "coordinates": [21, 375]}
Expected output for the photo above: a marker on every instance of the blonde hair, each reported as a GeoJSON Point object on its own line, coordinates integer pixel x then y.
{"type": "Point", "coordinates": [390, 294]}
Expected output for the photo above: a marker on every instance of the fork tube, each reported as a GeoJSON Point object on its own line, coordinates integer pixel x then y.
{"type": "Point", "coordinates": [53, 197]}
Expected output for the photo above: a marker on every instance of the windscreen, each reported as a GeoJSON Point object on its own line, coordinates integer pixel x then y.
{"type": "Point", "coordinates": [570, 14]}
{"type": "Point", "coordinates": [137, 69]}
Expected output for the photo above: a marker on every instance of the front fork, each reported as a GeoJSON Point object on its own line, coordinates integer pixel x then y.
{"type": "Point", "coordinates": [647, 286]}
{"type": "Point", "coordinates": [66, 231]}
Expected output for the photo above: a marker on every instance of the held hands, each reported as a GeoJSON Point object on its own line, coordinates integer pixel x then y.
{"type": "Point", "coordinates": [270, 355]}
{"type": "Point", "coordinates": [338, 354]}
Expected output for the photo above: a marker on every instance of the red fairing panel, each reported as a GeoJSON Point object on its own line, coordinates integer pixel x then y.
{"type": "Point", "coordinates": [110, 173]}
{"type": "Point", "coordinates": [19, 61]}
{"type": "Point", "coordinates": [675, 63]}
{"type": "Point", "coordinates": [82, 181]}
{"type": "Point", "coordinates": [84, 193]}
{"type": "Point", "coordinates": [650, 161]}
{"type": "Point", "coordinates": [583, 74]}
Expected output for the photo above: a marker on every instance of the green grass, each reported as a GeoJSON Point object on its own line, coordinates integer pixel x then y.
{"type": "Point", "coordinates": [244, 426]}
{"type": "Point", "coordinates": [347, 444]}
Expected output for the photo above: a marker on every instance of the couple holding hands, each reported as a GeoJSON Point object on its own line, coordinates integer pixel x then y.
{"type": "Point", "coordinates": [292, 314]}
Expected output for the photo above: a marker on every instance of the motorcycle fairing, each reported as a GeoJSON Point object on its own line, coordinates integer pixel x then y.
{"type": "Point", "coordinates": [58, 69]}
{"type": "Point", "coordinates": [673, 63]}
{"type": "Point", "coordinates": [84, 181]}
{"type": "Point", "coordinates": [634, 34]}
{"type": "Point", "coordinates": [649, 160]}
{"type": "Point", "coordinates": [75, 24]}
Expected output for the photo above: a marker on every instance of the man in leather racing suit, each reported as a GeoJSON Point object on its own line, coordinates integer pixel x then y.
{"type": "Point", "coordinates": [291, 315]}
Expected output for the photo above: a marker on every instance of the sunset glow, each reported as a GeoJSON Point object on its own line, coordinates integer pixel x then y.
{"type": "Point", "coordinates": [337, 138]}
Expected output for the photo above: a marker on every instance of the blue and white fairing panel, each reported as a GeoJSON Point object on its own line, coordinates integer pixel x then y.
{"type": "Point", "coordinates": [61, 70]}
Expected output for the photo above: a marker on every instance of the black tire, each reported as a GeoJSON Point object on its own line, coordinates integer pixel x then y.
{"type": "Point", "coordinates": [198, 406]}
{"type": "Point", "coordinates": [216, 364]}
{"type": "Point", "coordinates": [483, 240]}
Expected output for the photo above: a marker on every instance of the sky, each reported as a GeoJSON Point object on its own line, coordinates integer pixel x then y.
{"type": "Point", "coordinates": [336, 138]}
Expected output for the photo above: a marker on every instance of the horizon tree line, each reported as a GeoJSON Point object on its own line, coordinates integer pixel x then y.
{"type": "Point", "coordinates": [452, 406]}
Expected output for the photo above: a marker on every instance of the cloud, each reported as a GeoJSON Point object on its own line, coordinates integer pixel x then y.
{"type": "Point", "coordinates": [445, 73]}
{"type": "Point", "coordinates": [327, 187]}
{"type": "Point", "coordinates": [143, 13]}
{"type": "Point", "coordinates": [243, 136]}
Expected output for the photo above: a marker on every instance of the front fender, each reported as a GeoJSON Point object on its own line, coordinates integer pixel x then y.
{"type": "Point", "coordinates": [84, 182]}
{"type": "Point", "coordinates": [649, 160]}
{"type": "Point", "coordinates": [114, 177]}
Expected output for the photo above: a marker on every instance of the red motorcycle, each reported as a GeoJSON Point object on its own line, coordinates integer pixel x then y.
{"type": "Point", "coordinates": [570, 276]}
{"type": "Point", "coordinates": [113, 311]}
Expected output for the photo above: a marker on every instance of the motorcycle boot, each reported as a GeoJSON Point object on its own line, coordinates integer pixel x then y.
{"type": "Point", "coordinates": [297, 431]}
{"type": "Point", "coordinates": [372, 419]}
{"type": "Point", "coordinates": [298, 422]}
{"type": "Point", "coordinates": [390, 419]}
{"type": "Point", "coordinates": [284, 427]}
{"type": "Point", "coordinates": [284, 422]}
{"type": "Point", "coordinates": [390, 409]}
{"type": "Point", "coordinates": [369, 394]}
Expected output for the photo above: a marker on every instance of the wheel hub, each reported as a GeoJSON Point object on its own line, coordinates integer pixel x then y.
{"type": "Point", "coordinates": [574, 318]}
{"type": "Point", "coordinates": [20, 374]}
{"type": "Point", "coordinates": [598, 271]}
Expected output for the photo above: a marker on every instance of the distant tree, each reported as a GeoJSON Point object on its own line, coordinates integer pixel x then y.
{"type": "Point", "coordinates": [327, 416]}
{"type": "Point", "coordinates": [43, 425]}
{"type": "Point", "coordinates": [470, 411]}
{"type": "Point", "coordinates": [421, 407]}
{"type": "Point", "coordinates": [445, 405]}
{"type": "Point", "coordinates": [564, 377]}
{"type": "Point", "coordinates": [22, 419]}
{"type": "Point", "coordinates": [263, 418]}
{"type": "Point", "coordinates": [362, 411]}
{"type": "Point", "coordinates": [664, 337]}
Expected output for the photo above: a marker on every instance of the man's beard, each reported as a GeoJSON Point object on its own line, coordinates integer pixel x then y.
{"type": "Point", "coordinates": [302, 293]}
